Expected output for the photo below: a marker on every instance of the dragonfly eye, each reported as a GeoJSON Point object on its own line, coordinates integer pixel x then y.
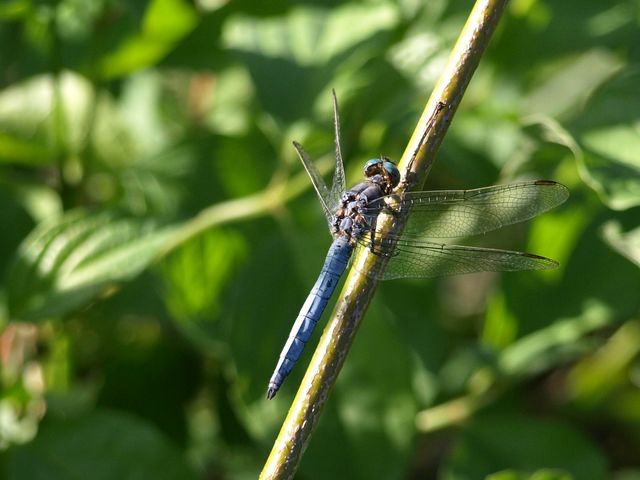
{"type": "Point", "coordinates": [372, 167]}
{"type": "Point", "coordinates": [392, 170]}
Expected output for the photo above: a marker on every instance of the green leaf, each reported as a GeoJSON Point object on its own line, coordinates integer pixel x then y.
{"type": "Point", "coordinates": [598, 378]}
{"type": "Point", "coordinates": [609, 132]}
{"type": "Point", "coordinates": [105, 445]}
{"type": "Point", "coordinates": [572, 83]}
{"type": "Point", "coordinates": [549, 346]}
{"type": "Point", "coordinates": [310, 35]}
{"type": "Point", "coordinates": [13, 9]}
{"type": "Point", "coordinates": [63, 264]}
{"type": "Point", "coordinates": [295, 55]}
{"type": "Point", "coordinates": [494, 442]}
{"type": "Point", "coordinates": [38, 120]}
{"type": "Point", "coordinates": [501, 326]}
{"type": "Point", "coordinates": [17, 150]}
{"type": "Point", "coordinates": [626, 244]}
{"type": "Point", "coordinates": [195, 276]}
{"type": "Point", "coordinates": [165, 22]}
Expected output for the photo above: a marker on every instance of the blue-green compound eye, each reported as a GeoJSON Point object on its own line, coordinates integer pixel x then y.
{"type": "Point", "coordinates": [392, 170]}
{"type": "Point", "coordinates": [371, 163]}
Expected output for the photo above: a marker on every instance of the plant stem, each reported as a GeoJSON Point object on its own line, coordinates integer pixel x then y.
{"type": "Point", "coordinates": [358, 290]}
{"type": "Point", "coordinates": [278, 193]}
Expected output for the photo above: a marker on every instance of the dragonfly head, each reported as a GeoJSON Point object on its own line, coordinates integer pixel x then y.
{"type": "Point", "coordinates": [384, 167]}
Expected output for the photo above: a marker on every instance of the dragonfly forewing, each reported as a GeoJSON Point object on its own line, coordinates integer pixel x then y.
{"type": "Point", "coordinates": [462, 213]}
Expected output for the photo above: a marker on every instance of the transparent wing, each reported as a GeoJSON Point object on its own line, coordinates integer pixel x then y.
{"type": "Point", "coordinates": [326, 199]}
{"type": "Point", "coordinates": [338, 186]}
{"type": "Point", "coordinates": [461, 213]}
{"type": "Point", "coordinates": [330, 200]}
{"type": "Point", "coordinates": [430, 260]}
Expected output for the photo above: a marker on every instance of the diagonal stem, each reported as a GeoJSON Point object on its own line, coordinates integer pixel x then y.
{"type": "Point", "coordinates": [358, 290]}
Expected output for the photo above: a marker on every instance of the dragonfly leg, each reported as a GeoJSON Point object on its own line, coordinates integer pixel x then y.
{"type": "Point", "coordinates": [372, 235]}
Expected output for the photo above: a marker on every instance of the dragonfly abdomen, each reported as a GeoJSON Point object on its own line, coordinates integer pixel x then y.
{"type": "Point", "coordinates": [334, 265]}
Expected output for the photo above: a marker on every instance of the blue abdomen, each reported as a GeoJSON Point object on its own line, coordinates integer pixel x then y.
{"type": "Point", "coordinates": [334, 265]}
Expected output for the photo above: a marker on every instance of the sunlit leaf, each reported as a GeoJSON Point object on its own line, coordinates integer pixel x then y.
{"type": "Point", "coordinates": [560, 341]}
{"type": "Point", "coordinates": [63, 264]}
{"type": "Point", "coordinates": [16, 150]}
{"type": "Point", "coordinates": [301, 48]}
{"type": "Point", "coordinates": [14, 9]}
{"type": "Point", "coordinates": [321, 34]}
{"type": "Point", "coordinates": [625, 243]}
{"type": "Point", "coordinates": [229, 110]}
{"type": "Point", "coordinates": [501, 326]}
{"type": "Point", "coordinates": [598, 376]}
{"type": "Point", "coordinates": [572, 83]}
{"type": "Point", "coordinates": [42, 117]}
{"type": "Point", "coordinates": [165, 22]}
{"type": "Point", "coordinates": [609, 131]}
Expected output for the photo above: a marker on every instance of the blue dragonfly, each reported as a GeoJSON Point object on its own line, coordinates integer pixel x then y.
{"type": "Point", "coordinates": [406, 249]}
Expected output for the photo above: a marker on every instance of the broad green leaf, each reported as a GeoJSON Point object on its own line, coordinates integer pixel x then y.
{"type": "Point", "coordinates": [139, 155]}
{"type": "Point", "coordinates": [165, 22]}
{"type": "Point", "coordinates": [572, 83]}
{"type": "Point", "coordinates": [622, 142]}
{"type": "Point", "coordinates": [310, 35]}
{"type": "Point", "coordinates": [625, 243]}
{"type": "Point", "coordinates": [553, 344]}
{"type": "Point", "coordinates": [229, 113]}
{"type": "Point", "coordinates": [43, 117]}
{"type": "Point", "coordinates": [195, 276]}
{"type": "Point", "coordinates": [65, 263]}
{"type": "Point", "coordinates": [13, 9]}
{"type": "Point", "coordinates": [597, 377]}
{"type": "Point", "coordinates": [75, 18]}
{"type": "Point", "coordinates": [617, 184]}
{"type": "Point", "coordinates": [500, 326]}
{"type": "Point", "coordinates": [608, 130]}
{"type": "Point", "coordinates": [83, 127]}
{"type": "Point", "coordinates": [104, 445]}
{"type": "Point", "coordinates": [303, 47]}
{"type": "Point", "coordinates": [17, 150]}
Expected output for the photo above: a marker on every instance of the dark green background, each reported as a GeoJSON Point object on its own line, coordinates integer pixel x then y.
{"type": "Point", "coordinates": [159, 236]}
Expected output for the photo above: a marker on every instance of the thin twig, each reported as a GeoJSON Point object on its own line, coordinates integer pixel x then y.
{"type": "Point", "coordinates": [358, 290]}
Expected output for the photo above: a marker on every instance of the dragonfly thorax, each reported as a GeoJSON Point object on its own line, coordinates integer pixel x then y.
{"type": "Point", "coordinates": [349, 218]}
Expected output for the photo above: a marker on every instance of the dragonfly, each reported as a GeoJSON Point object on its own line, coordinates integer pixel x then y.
{"type": "Point", "coordinates": [356, 219]}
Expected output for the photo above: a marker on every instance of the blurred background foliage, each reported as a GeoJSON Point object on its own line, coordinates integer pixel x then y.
{"type": "Point", "coordinates": [159, 236]}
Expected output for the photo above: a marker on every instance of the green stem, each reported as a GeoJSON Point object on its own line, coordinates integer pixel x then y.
{"type": "Point", "coordinates": [358, 290]}
{"type": "Point", "coordinates": [251, 206]}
